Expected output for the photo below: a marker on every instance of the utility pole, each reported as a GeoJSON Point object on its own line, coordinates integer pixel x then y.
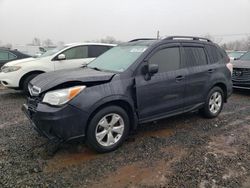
{"type": "Point", "coordinates": [158, 35]}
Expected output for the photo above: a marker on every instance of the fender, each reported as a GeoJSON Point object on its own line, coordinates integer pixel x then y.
{"type": "Point", "coordinates": [115, 98]}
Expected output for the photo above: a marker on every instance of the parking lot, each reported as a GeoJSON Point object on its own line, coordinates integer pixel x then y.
{"type": "Point", "coordinates": [183, 151]}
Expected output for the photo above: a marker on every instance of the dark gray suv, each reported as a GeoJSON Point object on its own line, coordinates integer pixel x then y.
{"type": "Point", "coordinates": [136, 82]}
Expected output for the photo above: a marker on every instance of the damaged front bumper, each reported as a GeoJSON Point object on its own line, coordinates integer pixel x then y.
{"type": "Point", "coordinates": [56, 123]}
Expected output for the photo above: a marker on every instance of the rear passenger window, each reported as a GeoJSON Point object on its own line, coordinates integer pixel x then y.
{"type": "Point", "coordinates": [214, 54]}
{"type": "Point", "coordinates": [195, 56]}
{"type": "Point", "coordinates": [4, 55]}
{"type": "Point", "coordinates": [168, 59]}
{"type": "Point", "coordinates": [11, 56]}
{"type": "Point", "coordinates": [95, 51]}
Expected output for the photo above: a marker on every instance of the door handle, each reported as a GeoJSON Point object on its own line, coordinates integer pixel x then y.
{"type": "Point", "coordinates": [211, 70]}
{"type": "Point", "coordinates": [179, 78]}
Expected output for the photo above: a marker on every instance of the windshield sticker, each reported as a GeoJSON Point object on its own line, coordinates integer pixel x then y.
{"type": "Point", "coordinates": [138, 50]}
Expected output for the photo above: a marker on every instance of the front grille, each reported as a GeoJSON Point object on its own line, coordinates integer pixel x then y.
{"type": "Point", "coordinates": [241, 74]}
{"type": "Point", "coordinates": [33, 102]}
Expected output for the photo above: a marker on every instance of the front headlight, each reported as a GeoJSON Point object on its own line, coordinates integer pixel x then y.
{"type": "Point", "coordinates": [62, 96]}
{"type": "Point", "coordinates": [7, 69]}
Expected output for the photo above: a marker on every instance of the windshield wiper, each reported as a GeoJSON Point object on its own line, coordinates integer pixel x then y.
{"type": "Point", "coordinates": [95, 68]}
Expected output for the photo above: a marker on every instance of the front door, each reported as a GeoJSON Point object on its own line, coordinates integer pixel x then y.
{"type": "Point", "coordinates": [75, 57]}
{"type": "Point", "coordinates": [163, 94]}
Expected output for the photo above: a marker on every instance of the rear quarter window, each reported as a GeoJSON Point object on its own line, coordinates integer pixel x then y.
{"type": "Point", "coordinates": [214, 53]}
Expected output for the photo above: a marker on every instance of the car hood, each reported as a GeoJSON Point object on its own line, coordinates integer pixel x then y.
{"type": "Point", "coordinates": [20, 61]}
{"type": "Point", "coordinates": [241, 64]}
{"type": "Point", "coordinates": [50, 80]}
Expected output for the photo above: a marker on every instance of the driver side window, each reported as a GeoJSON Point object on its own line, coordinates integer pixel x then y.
{"type": "Point", "coordinates": [78, 52]}
{"type": "Point", "coordinates": [167, 59]}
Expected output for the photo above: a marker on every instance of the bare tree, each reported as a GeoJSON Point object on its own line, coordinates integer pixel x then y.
{"type": "Point", "coordinates": [60, 43]}
{"type": "Point", "coordinates": [36, 41]}
{"type": "Point", "coordinates": [108, 39]}
{"type": "Point", "coordinates": [48, 43]}
{"type": "Point", "coordinates": [8, 45]}
{"type": "Point", "coordinates": [212, 38]}
{"type": "Point", "coordinates": [238, 45]}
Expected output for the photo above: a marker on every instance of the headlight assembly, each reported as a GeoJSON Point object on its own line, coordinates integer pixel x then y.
{"type": "Point", "coordinates": [62, 96]}
{"type": "Point", "coordinates": [7, 69]}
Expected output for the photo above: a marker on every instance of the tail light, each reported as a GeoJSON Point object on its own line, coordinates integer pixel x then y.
{"type": "Point", "coordinates": [230, 67]}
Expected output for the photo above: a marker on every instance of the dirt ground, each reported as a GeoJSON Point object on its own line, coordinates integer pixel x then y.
{"type": "Point", "coordinates": [183, 151]}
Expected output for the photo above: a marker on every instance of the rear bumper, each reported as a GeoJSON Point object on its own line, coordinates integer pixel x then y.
{"type": "Point", "coordinates": [57, 123]}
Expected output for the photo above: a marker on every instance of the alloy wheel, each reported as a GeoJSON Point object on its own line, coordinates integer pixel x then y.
{"type": "Point", "coordinates": [215, 102]}
{"type": "Point", "coordinates": [109, 129]}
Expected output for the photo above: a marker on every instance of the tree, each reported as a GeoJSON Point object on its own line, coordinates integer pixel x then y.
{"type": "Point", "coordinates": [108, 39]}
{"type": "Point", "coordinates": [36, 42]}
{"type": "Point", "coordinates": [48, 43]}
{"type": "Point", "coordinates": [60, 43]}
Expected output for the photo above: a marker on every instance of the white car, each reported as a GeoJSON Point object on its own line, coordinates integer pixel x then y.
{"type": "Point", "coordinates": [17, 74]}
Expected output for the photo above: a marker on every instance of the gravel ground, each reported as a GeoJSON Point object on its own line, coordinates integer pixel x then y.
{"type": "Point", "coordinates": [183, 151]}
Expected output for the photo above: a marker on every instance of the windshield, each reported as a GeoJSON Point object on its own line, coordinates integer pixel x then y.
{"type": "Point", "coordinates": [235, 54]}
{"type": "Point", "coordinates": [52, 51]}
{"type": "Point", "coordinates": [118, 59]}
{"type": "Point", "coordinates": [245, 57]}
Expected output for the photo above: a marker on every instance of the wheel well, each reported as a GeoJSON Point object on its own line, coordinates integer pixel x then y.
{"type": "Point", "coordinates": [224, 89]}
{"type": "Point", "coordinates": [26, 75]}
{"type": "Point", "coordinates": [121, 103]}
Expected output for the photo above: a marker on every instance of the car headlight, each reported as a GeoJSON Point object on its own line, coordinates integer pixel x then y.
{"type": "Point", "coordinates": [7, 69]}
{"type": "Point", "coordinates": [62, 96]}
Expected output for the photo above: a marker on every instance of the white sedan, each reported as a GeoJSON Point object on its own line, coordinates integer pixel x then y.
{"type": "Point", "coordinates": [17, 74]}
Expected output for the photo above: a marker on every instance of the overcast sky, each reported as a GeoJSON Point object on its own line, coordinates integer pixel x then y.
{"type": "Point", "coordinates": [81, 20]}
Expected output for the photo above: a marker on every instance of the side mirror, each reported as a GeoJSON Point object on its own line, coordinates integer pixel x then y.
{"type": "Point", "coordinates": [61, 57]}
{"type": "Point", "coordinates": [149, 70]}
{"type": "Point", "coordinates": [153, 69]}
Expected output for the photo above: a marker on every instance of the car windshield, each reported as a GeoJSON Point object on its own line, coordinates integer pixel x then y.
{"type": "Point", "coordinates": [52, 51]}
{"type": "Point", "coordinates": [245, 57]}
{"type": "Point", "coordinates": [235, 54]}
{"type": "Point", "coordinates": [118, 59]}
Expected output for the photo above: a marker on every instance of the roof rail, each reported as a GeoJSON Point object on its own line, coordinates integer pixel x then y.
{"type": "Point", "coordinates": [187, 37]}
{"type": "Point", "coordinates": [142, 39]}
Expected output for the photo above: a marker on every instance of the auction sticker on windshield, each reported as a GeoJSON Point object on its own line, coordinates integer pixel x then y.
{"type": "Point", "coordinates": [138, 50]}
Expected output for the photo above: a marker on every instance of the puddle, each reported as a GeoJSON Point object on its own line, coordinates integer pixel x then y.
{"type": "Point", "coordinates": [164, 132]}
{"type": "Point", "coordinates": [143, 173]}
{"type": "Point", "coordinates": [136, 174]}
{"type": "Point", "coordinates": [65, 160]}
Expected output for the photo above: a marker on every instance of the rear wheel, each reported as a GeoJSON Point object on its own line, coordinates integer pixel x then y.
{"type": "Point", "coordinates": [214, 103]}
{"type": "Point", "coordinates": [26, 83]}
{"type": "Point", "coordinates": [108, 129]}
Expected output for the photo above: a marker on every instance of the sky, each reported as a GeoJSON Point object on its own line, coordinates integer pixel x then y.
{"type": "Point", "coordinates": [82, 20]}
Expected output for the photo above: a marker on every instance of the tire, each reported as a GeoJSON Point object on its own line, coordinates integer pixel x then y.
{"type": "Point", "coordinates": [26, 84]}
{"type": "Point", "coordinates": [101, 123]}
{"type": "Point", "coordinates": [214, 103]}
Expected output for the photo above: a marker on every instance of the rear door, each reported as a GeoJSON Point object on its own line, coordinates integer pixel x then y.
{"type": "Point", "coordinates": [97, 50]}
{"type": "Point", "coordinates": [163, 94]}
{"type": "Point", "coordinates": [199, 73]}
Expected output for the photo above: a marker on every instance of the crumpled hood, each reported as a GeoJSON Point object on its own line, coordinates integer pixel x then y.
{"type": "Point", "coordinates": [241, 64]}
{"type": "Point", "coordinates": [50, 80]}
{"type": "Point", "coordinates": [20, 61]}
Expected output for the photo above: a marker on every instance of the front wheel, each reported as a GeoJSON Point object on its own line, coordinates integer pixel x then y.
{"type": "Point", "coordinates": [108, 129]}
{"type": "Point", "coordinates": [214, 103]}
{"type": "Point", "coordinates": [26, 83]}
